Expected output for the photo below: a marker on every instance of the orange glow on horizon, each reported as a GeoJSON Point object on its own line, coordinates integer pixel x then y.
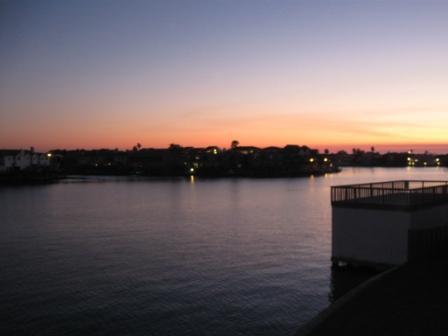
{"type": "Point", "coordinates": [113, 125]}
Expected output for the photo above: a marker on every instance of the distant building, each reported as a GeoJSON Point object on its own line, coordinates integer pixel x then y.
{"type": "Point", "coordinates": [215, 150]}
{"type": "Point", "coordinates": [22, 159]}
{"type": "Point", "coordinates": [300, 150]}
{"type": "Point", "coordinates": [246, 150]}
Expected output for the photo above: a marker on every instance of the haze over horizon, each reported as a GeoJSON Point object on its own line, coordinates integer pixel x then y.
{"type": "Point", "coordinates": [327, 74]}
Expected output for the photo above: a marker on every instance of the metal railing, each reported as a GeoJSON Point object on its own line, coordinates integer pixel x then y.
{"type": "Point", "coordinates": [402, 193]}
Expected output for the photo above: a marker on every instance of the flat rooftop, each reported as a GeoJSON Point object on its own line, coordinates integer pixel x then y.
{"type": "Point", "coordinates": [394, 195]}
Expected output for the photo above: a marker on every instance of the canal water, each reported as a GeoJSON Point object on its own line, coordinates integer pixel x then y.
{"type": "Point", "coordinates": [118, 256]}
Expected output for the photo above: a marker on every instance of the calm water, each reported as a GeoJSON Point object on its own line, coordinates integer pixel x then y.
{"type": "Point", "coordinates": [175, 257]}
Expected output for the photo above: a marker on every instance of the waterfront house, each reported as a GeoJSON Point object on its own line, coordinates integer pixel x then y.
{"type": "Point", "coordinates": [22, 159]}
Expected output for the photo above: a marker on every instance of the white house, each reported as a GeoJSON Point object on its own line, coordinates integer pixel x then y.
{"type": "Point", "coordinates": [22, 159]}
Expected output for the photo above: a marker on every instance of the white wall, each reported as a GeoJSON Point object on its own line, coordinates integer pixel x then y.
{"type": "Point", "coordinates": [8, 161]}
{"type": "Point", "coordinates": [23, 160]}
{"type": "Point", "coordinates": [380, 236]}
{"type": "Point", "coordinates": [44, 160]}
{"type": "Point", "coordinates": [370, 235]}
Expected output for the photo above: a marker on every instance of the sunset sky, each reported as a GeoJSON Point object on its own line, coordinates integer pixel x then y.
{"type": "Point", "coordinates": [328, 74]}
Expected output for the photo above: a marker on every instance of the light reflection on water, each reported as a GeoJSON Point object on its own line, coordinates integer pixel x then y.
{"type": "Point", "coordinates": [171, 257]}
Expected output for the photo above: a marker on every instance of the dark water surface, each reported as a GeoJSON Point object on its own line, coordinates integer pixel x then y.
{"type": "Point", "coordinates": [114, 256]}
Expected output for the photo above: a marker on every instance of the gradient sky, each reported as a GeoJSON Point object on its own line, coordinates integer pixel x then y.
{"type": "Point", "coordinates": [333, 74]}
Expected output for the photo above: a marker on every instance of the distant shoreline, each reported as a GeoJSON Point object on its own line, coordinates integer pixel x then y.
{"type": "Point", "coordinates": [9, 179]}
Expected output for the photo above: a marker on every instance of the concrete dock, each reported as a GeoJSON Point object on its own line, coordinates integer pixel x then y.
{"type": "Point", "coordinates": [401, 225]}
{"type": "Point", "coordinates": [408, 300]}
{"type": "Point", "coordinates": [389, 223]}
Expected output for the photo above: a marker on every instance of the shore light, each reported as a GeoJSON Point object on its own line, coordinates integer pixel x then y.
{"type": "Point", "coordinates": [311, 160]}
{"type": "Point", "coordinates": [49, 155]}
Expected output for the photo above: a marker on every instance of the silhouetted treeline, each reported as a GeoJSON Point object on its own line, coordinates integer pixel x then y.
{"type": "Point", "coordinates": [211, 161]}
{"type": "Point", "coordinates": [372, 158]}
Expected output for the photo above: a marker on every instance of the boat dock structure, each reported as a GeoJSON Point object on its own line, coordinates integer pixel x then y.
{"type": "Point", "coordinates": [401, 228]}
{"type": "Point", "coordinates": [385, 224]}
